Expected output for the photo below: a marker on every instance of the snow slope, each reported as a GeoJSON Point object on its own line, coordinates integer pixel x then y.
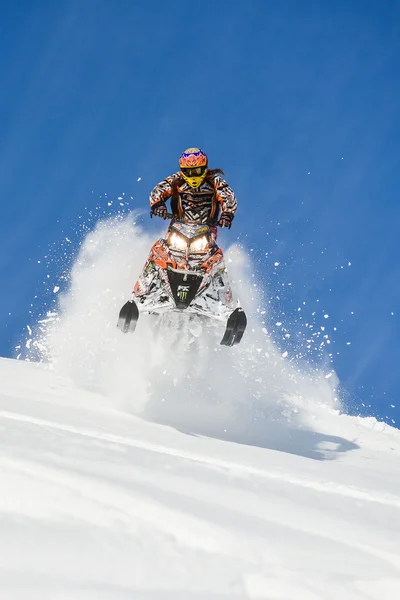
{"type": "Point", "coordinates": [96, 504]}
{"type": "Point", "coordinates": [148, 468]}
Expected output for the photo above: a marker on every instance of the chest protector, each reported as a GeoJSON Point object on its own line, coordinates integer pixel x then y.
{"type": "Point", "coordinates": [195, 204]}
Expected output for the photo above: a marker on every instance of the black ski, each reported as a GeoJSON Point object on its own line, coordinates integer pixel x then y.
{"type": "Point", "coordinates": [128, 316]}
{"type": "Point", "coordinates": [235, 328]}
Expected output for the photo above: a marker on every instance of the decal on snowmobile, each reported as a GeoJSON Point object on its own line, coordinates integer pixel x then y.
{"type": "Point", "coordinates": [183, 292]}
{"type": "Point", "coordinates": [150, 267]}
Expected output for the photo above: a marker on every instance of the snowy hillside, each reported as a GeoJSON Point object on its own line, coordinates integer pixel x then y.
{"type": "Point", "coordinates": [97, 504]}
{"type": "Point", "coordinates": [140, 467]}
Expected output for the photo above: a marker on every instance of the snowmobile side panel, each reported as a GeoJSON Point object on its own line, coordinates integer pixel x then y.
{"type": "Point", "coordinates": [128, 317]}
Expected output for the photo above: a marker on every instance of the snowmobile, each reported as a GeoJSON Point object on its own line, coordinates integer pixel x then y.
{"type": "Point", "coordinates": [185, 272]}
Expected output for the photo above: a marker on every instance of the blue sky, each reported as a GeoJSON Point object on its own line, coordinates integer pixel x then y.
{"type": "Point", "coordinates": [297, 102]}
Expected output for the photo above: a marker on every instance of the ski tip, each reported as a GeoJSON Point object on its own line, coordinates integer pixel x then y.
{"type": "Point", "coordinates": [128, 316]}
{"type": "Point", "coordinates": [235, 328]}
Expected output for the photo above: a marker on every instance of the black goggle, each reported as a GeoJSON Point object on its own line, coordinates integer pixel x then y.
{"type": "Point", "coordinates": [194, 171]}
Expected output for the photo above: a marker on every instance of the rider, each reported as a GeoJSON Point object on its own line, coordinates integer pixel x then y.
{"type": "Point", "coordinates": [197, 193]}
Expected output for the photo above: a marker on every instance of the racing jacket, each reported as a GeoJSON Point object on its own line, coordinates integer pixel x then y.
{"type": "Point", "coordinates": [212, 198]}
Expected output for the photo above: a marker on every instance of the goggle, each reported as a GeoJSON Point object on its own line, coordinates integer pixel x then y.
{"type": "Point", "coordinates": [194, 171]}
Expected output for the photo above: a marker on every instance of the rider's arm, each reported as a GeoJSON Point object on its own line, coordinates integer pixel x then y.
{"type": "Point", "coordinates": [162, 191]}
{"type": "Point", "coordinates": [225, 196]}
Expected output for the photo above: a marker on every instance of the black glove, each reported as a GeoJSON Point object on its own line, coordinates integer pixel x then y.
{"type": "Point", "coordinates": [160, 210]}
{"type": "Point", "coordinates": [225, 220]}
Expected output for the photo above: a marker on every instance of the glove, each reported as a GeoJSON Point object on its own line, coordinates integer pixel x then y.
{"type": "Point", "coordinates": [160, 210]}
{"type": "Point", "coordinates": [225, 220]}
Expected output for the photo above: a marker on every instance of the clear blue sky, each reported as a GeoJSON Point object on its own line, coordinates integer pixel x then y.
{"type": "Point", "coordinates": [297, 101]}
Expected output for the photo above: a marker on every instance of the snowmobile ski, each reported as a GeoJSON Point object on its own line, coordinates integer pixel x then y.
{"type": "Point", "coordinates": [128, 317]}
{"type": "Point", "coordinates": [235, 328]}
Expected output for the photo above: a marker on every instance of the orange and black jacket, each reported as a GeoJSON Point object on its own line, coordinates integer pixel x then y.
{"type": "Point", "coordinates": [209, 201]}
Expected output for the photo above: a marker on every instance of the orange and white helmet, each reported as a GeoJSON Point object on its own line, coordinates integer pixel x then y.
{"type": "Point", "coordinates": [193, 165]}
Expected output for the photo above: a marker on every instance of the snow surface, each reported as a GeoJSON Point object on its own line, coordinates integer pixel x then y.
{"type": "Point", "coordinates": [97, 503]}
{"type": "Point", "coordinates": [145, 467]}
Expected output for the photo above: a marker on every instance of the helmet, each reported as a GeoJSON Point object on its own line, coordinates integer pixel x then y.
{"type": "Point", "coordinates": [193, 164]}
